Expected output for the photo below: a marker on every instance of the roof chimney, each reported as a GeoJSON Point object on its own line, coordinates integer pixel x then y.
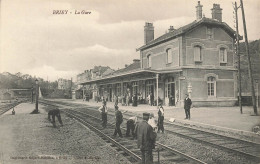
{"type": "Point", "coordinates": [171, 29]}
{"type": "Point", "coordinates": [199, 11]}
{"type": "Point", "coordinates": [217, 12]}
{"type": "Point", "coordinates": [148, 32]}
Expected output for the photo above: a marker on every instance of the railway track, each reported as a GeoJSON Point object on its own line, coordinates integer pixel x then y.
{"type": "Point", "coordinates": [127, 146]}
{"type": "Point", "coordinates": [248, 149]}
{"type": "Point", "coordinates": [5, 108]}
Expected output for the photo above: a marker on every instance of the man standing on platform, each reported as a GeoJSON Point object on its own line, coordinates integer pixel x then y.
{"type": "Point", "coordinates": [145, 139]}
{"type": "Point", "coordinates": [187, 105]}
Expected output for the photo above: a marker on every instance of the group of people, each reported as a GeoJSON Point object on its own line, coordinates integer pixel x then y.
{"type": "Point", "coordinates": [144, 131]}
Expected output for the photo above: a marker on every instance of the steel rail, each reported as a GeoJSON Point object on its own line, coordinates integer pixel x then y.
{"type": "Point", "coordinates": [9, 106]}
{"type": "Point", "coordinates": [213, 144]}
{"type": "Point", "coordinates": [189, 158]}
{"type": "Point", "coordinates": [174, 151]}
{"type": "Point", "coordinates": [136, 157]}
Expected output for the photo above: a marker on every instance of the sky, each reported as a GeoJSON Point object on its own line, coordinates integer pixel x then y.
{"type": "Point", "coordinates": [38, 42]}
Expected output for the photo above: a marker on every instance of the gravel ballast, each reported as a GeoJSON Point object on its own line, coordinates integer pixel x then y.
{"type": "Point", "coordinates": [30, 138]}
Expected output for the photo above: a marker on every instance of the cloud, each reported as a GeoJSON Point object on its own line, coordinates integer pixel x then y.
{"type": "Point", "coordinates": [34, 38]}
{"type": "Point", "coordinates": [50, 72]}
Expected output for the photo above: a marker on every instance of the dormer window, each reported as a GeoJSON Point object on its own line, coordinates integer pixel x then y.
{"type": "Point", "coordinates": [169, 56]}
{"type": "Point", "coordinates": [223, 55]}
{"type": "Point", "coordinates": [197, 54]}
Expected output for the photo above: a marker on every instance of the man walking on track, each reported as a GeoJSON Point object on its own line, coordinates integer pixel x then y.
{"type": "Point", "coordinates": [53, 113]}
{"type": "Point", "coordinates": [119, 120]}
{"type": "Point", "coordinates": [103, 111]}
{"type": "Point", "coordinates": [145, 139]}
{"type": "Point", "coordinates": [187, 105]}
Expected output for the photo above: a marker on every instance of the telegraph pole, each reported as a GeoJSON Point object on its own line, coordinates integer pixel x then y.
{"type": "Point", "coordinates": [238, 55]}
{"type": "Point", "coordinates": [249, 60]}
{"type": "Point", "coordinates": [36, 95]}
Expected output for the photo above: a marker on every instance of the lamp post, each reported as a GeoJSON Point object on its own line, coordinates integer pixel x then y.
{"type": "Point", "coordinates": [36, 95]}
{"type": "Point", "coordinates": [32, 93]}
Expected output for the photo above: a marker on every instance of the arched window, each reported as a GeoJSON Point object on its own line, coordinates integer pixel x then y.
{"type": "Point", "coordinates": [211, 86]}
{"type": "Point", "coordinates": [197, 54]}
{"type": "Point", "coordinates": [223, 55]}
{"type": "Point", "coordinates": [149, 61]}
{"type": "Point", "coordinates": [169, 55]}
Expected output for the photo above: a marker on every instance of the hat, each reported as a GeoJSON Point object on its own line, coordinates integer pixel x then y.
{"type": "Point", "coordinates": [146, 115]}
{"type": "Point", "coordinates": [116, 107]}
{"type": "Point", "coordinates": [187, 94]}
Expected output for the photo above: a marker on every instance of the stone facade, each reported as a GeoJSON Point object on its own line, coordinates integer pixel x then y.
{"type": "Point", "coordinates": [197, 59]}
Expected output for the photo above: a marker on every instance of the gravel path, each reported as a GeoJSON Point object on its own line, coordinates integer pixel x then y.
{"type": "Point", "coordinates": [30, 139]}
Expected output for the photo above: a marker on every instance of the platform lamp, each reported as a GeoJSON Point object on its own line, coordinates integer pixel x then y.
{"type": "Point", "coordinates": [36, 95]}
{"type": "Point", "coordinates": [32, 92]}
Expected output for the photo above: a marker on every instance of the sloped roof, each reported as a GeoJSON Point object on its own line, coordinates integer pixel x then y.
{"type": "Point", "coordinates": [134, 66]}
{"type": "Point", "coordinates": [186, 28]}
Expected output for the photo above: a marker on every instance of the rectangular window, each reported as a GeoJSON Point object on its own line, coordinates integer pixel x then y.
{"type": "Point", "coordinates": [149, 87]}
{"type": "Point", "coordinates": [149, 61]}
{"type": "Point", "coordinates": [135, 87]}
{"type": "Point", "coordinates": [197, 54]}
{"type": "Point", "coordinates": [223, 55]}
{"type": "Point", "coordinates": [169, 56]}
{"type": "Point", "coordinates": [211, 89]}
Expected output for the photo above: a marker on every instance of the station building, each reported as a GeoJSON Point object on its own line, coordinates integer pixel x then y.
{"type": "Point", "coordinates": [197, 59]}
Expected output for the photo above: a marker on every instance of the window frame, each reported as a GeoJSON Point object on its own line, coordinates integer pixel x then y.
{"type": "Point", "coordinates": [135, 87]}
{"type": "Point", "coordinates": [169, 58]}
{"type": "Point", "coordinates": [200, 53]}
{"type": "Point", "coordinates": [224, 58]}
{"type": "Point", "coordinates": [149, 61]}
{"type": "Point", "coordinates": [209, 86]}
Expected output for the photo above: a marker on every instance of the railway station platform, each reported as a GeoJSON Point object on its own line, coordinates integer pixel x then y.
{"type": "Point", "coordinates": [227, 119]}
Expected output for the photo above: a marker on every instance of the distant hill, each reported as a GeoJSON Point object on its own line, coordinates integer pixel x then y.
{"type": "Point", "coordinates": [254, 50]}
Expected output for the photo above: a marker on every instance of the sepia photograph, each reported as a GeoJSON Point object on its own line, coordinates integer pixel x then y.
{"type": "Point", "coordinates": [129, 81]}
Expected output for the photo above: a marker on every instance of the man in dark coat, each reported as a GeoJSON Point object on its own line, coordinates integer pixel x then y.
{"type": "Point", "coordinates": [187, 105]}
{"type": "Point", "coordinates": [135, 100]}
{"type": "Point", "coordinates": [160, 119]}
{"type": "Point", "coordinates": [119, 120]}
{"type": "Point", "coordinates": [145, 139]}
{"type": "Point", "coordinates": [53, 113]}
